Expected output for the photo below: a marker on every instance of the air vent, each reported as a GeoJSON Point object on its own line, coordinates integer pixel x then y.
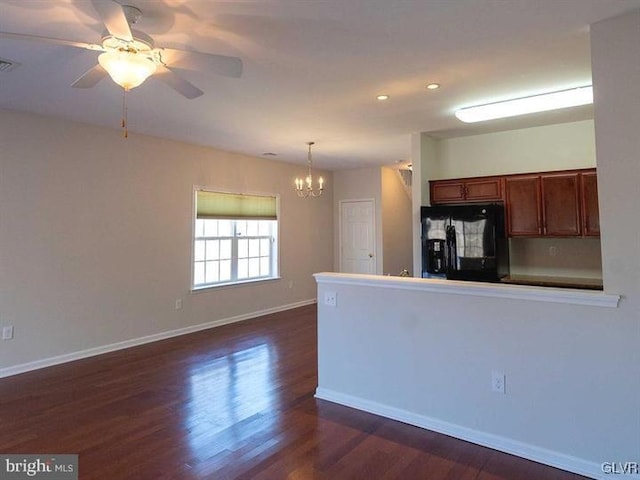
{"type": "Point", "coordinates": [7, 65]}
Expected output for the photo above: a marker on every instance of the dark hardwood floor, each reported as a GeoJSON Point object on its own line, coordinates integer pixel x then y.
{"type": "Point", "coordinates": [235, 402]}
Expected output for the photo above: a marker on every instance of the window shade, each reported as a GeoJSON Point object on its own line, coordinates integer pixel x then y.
{"type": "Point", "coordinates": [233, 205]}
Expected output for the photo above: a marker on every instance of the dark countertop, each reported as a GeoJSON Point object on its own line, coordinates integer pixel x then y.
{"type": "Point", "coordinates": [561, 282]}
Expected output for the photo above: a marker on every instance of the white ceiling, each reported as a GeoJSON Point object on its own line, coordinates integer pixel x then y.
{"type": "Point", "coordinates": [312, 69]}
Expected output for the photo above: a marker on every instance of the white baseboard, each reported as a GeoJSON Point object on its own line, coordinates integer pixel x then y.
{"type": "Point", "coordinates": [514, 447]}
{"type": "Point", "coordinates": [91, 352]}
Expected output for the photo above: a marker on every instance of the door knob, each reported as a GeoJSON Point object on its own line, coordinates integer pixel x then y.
{"type": "Point", "coordinates": [371, 255]}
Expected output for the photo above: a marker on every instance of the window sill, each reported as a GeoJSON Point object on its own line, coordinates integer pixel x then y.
{"type": "Point", "coordinates": [520, 292]}
{"type": "Point", "coordinates": [252, 281]}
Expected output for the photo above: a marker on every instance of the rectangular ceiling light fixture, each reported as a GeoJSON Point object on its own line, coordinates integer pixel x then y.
{"type": "Point", "coordinates": [572, 97]}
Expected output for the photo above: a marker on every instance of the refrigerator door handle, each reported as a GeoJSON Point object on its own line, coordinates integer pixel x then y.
{"type": "Point", "coordinates": [451, 248]}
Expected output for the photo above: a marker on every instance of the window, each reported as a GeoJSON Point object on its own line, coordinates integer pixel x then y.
{"type": "Point", "coordinates": [235, 239]}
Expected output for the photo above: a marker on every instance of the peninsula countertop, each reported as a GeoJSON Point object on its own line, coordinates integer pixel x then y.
{"type": "Point", "coordinates": [550, 281]}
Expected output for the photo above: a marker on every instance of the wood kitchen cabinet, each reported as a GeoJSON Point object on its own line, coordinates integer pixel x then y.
{"type": "Point", "coordinates": [481, 189]}
{"type": "Point", "coordinates": [590, 209]}
{"type": "Point", "coordinates": [553, 204]}
{"type": "Point", "coordinates": [561, 205]}
{"type": "Point", "coordinates": [523, 205]}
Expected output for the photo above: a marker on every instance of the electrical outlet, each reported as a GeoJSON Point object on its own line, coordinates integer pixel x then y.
{"type": "Point", "coordinates": [553, 251]}
{"type": "Point", "coordinates": [498, 380]}
{"type": "Point", "coordinates": [331, 299]}
{"type": "Point", "coordinates": [290, 283]}
{"type": "Point", "coordinates": [179, 304]}
{"type": "Point", "coordinates": [7, 332]}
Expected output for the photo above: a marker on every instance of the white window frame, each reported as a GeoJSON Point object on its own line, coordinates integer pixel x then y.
{"type": "Point", "coordinates": [275, 247]}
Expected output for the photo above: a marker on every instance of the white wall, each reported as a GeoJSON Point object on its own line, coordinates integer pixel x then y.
{"type": "Point", "coordinates": [422, 155]}
{"type": "Point", "coordinates": [556, 257]}
{"type": "Point", "coordinates": [573, 384]}
{"type": "Point", "coordinates": [553, 147]}
{"type": "Point", "coordinates": [616, 76]}
{"type": "Point", "coordinates": [396, 224]}
{"type": "Point", "coordinates": [95, 236]}
{"type": "Point", "coordinates": [393, 220]}
{"type": "Point", "coordinates": [358, 184]}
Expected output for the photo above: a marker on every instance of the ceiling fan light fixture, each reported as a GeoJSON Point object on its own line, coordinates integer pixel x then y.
{"type": "Point", "coordinates": [572, 97]}
{"type": "Point", "coordinates": [128, 69]}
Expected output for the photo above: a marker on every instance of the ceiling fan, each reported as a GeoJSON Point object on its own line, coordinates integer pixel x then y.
{"type": "Point", "coordinates": [129, 56]}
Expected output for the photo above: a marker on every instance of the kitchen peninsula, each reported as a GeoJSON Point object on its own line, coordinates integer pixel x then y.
{"type": "Point", "coordinates": [423, 351]}
{"type": "Point", "coordinates": [426, 351]}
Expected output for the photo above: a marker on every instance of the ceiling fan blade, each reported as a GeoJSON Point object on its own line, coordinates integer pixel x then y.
{"type": "Point", "coordinates": [202, 62]}
{"type": "Point", "coordinates": [90, 78]}
{"type": "Point", "coordinates": [53, 41]}
{"type": "Point", "coordinates": [175, 81]}
{"type": "Point", "coordinates": [114, 19]}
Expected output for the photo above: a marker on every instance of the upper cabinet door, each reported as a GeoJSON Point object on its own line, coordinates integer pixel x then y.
{"type": "Point", "coordinates": [590, 209]}
{"type": "Point", "coordinates": [483, 189]}
{"type": "Point", "coordinates": [524, 212]}
{"type": "Point", "coordinates": [561, 205]}
{"type": "Point", "coordinates": [467, 190]}
{"type": "Point", "coordinates": [445, 191]}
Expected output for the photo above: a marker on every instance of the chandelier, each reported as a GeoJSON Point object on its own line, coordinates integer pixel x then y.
{"type": "Point", "coordinates": [304, 187]}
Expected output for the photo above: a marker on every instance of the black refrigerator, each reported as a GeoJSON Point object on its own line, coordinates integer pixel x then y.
{"type": "Point", "coordinates": [464, 242]}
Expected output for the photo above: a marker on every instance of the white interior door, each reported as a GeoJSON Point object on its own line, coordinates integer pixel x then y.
{"type": "Point", "coordinates": [357, 236]}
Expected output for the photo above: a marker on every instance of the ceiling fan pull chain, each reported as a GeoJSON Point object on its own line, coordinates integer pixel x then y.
{"type": "Point", "coordinates": [124, 113]}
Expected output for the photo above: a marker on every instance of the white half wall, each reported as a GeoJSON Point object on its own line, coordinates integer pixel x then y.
{"type": "Point", "coordinates": [96, 237]}
{"type": "Point", "coordinates": [423, 352]}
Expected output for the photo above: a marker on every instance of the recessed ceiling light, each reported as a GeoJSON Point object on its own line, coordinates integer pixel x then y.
{"type": "Point", "coordinates": [520, 106]}
{"type": "Point", "coordinates": [383, 97]}
{"type": "Point", "coordinates": [433, 86]}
